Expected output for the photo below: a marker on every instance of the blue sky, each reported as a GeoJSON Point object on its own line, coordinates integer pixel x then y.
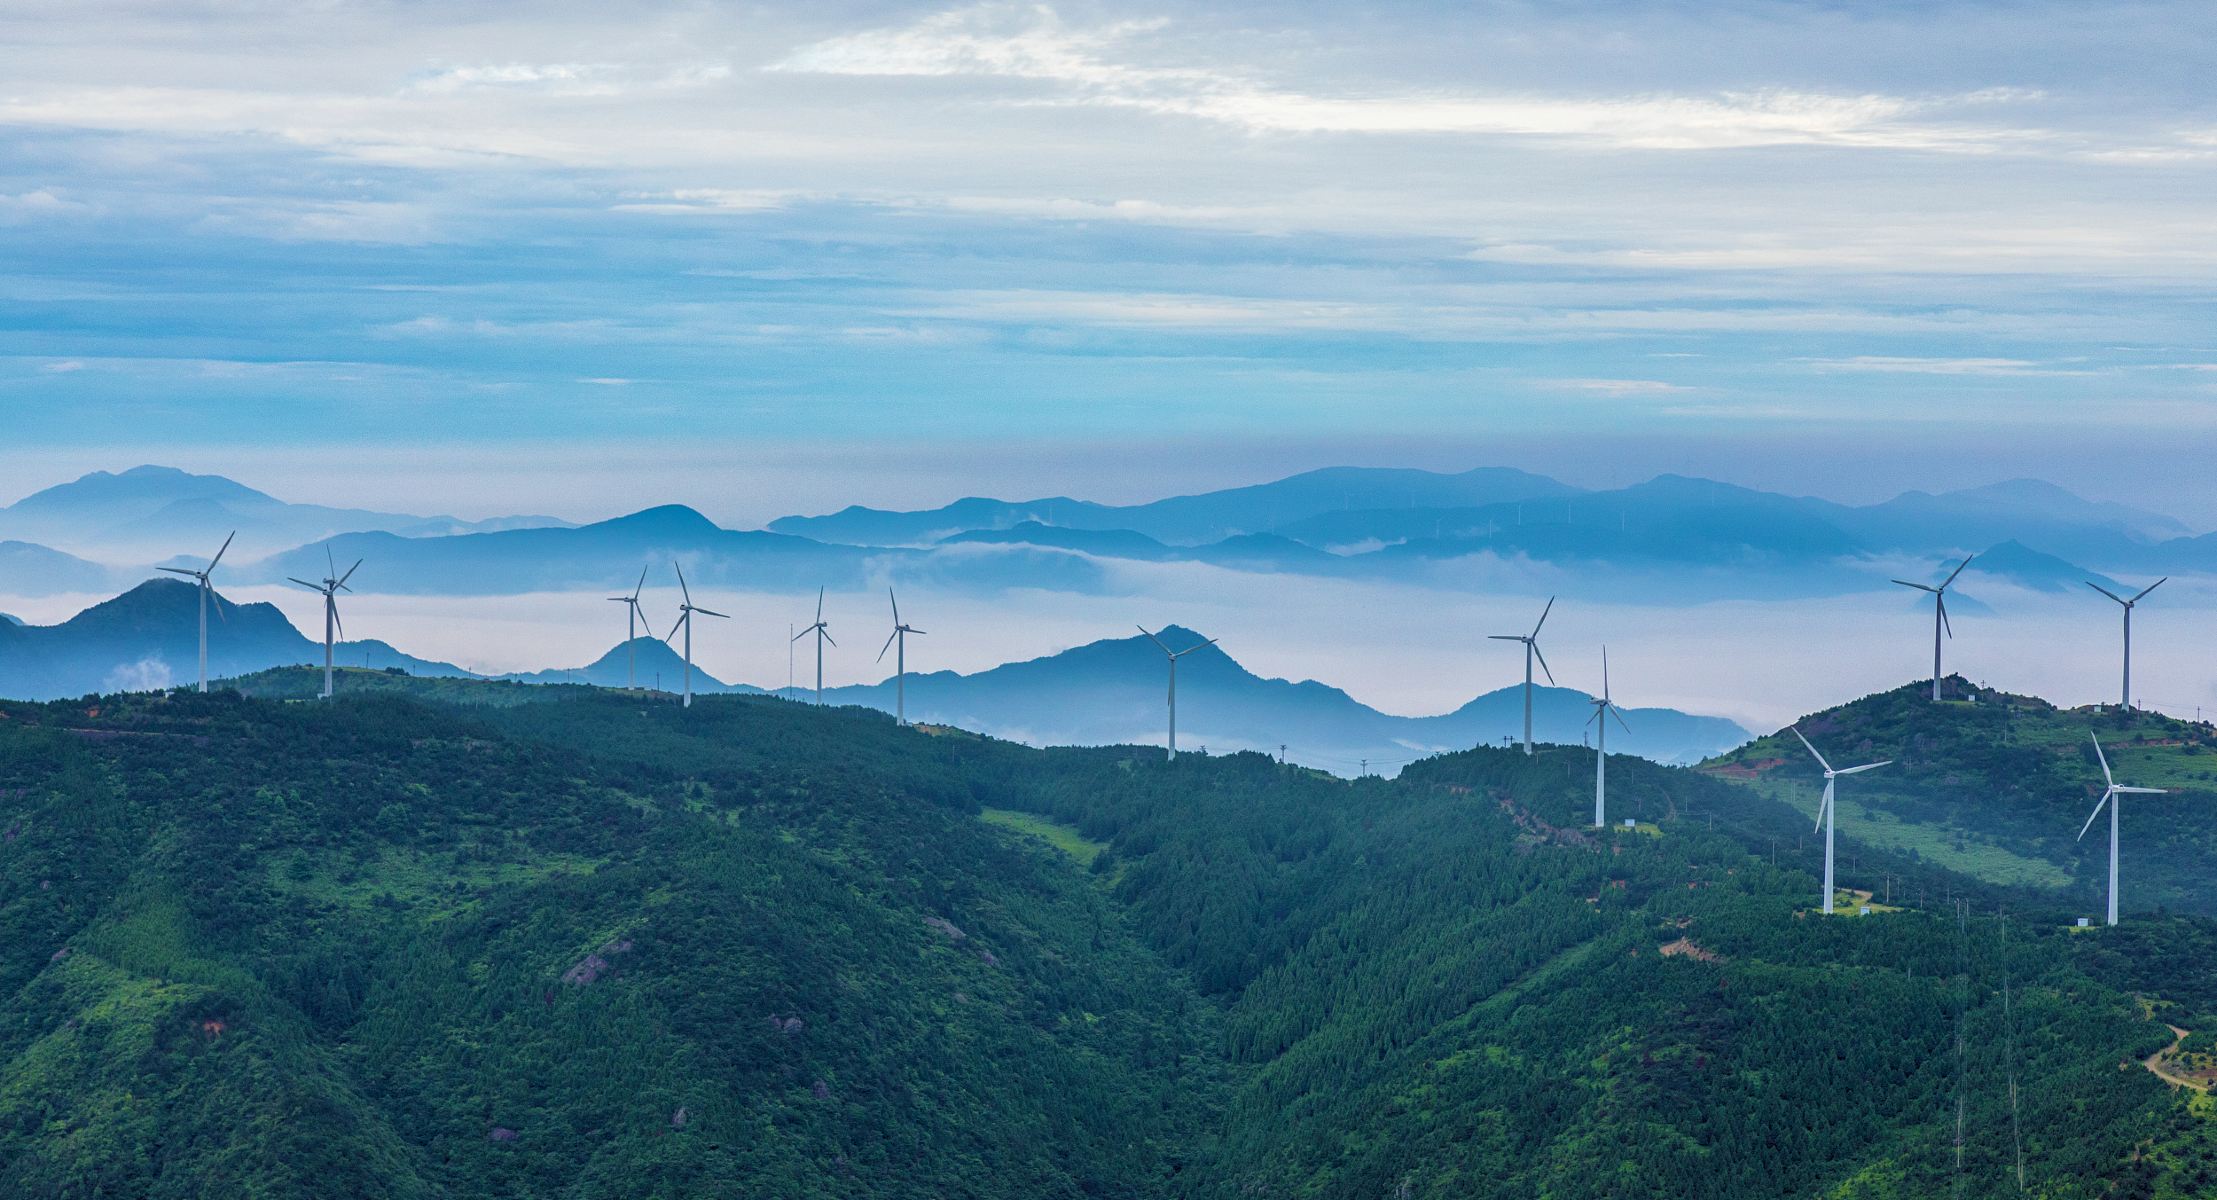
{"type": "Point", "coordinates": [784, 257]}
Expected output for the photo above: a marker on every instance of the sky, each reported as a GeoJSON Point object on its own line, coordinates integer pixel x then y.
{"type": "Point", "coordinates": [781, 258]}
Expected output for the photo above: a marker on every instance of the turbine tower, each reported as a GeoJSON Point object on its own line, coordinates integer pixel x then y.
{"type": "Point", "coordinates": [1939, 615]}
{"type": "Point", "coordinates": [1826, 813]}
{"type": "Point", "coordinates": [2109, 798]}
{"type": "Point", "coordinates": [685, 613]}
{"type": "Point", "coordinates": [633, 619]}
{"type": "Point", "coordinates": [333, 628]}
{"type": "Point", "coordinates": [1603, 709]}
{"type": "Point", "coordinates": [900, 659]}
{"type": "Point", "coordinates": [1531, 651]}
{"type": "Point", "coordinates": [2126, 702]}
{"type": "Point", "coordinates": [1174, 656]}
{"type": "Point", "coordinates": [202, 577]}
{"type": "Point", "coordinates": [822, 630]}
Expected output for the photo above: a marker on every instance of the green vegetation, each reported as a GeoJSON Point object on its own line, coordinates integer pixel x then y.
{"type": "Point", "coordinates": [1062, 837]}
{"type": "Point", "coordinates": [430, 941]}
{"type": "Point", "coordinates": [1998, 790]}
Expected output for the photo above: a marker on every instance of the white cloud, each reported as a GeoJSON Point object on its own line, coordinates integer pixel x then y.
{"type": "Point", "coordinates": [1618, 387]}
{"type": "Point", "coordinates": [2000, 367]}
{"type": "Point", "coordinates": [147, 674]}
{"type": "Point", "coordinates": [1032, 43]}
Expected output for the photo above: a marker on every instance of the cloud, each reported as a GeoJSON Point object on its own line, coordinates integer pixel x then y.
{"type": "Point", "coordinates": [41, 204]}
{"type": "Point", "coordinates": [1999, 367]}
{"type": "Point", "coordinates": [146, 675]}
{"type": "Point", "coordinates": [1617, 387]}
{"type": "Point", "coordinates": [1094, 66]}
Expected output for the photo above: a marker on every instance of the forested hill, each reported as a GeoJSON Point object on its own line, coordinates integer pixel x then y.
{"type": "Point", "coordinates": [1999, 786]}
{"type": "Point", "coordinates": [459, 940]}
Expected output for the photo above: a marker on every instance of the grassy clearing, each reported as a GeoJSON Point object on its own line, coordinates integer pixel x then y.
{"type": "Point", "coordinates": [1950, 847]}
{"type": "Point", "coordinates": [1061, 837]}
{"type": "Point", "coordinates": [436, 881]}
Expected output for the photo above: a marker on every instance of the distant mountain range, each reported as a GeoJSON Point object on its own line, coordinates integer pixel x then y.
{"type": "Point", "coordinates": [1672, 538]}
{"type": "Point", "coordinates": [150, 513]}
{"type": "Point", "coordinates": [1107, 692]}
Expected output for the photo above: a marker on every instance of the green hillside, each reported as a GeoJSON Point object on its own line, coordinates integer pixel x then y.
{"type": "Point", "coordinates": [1999, 788]}
{"type": "Point", "coordinates": [428, 941]}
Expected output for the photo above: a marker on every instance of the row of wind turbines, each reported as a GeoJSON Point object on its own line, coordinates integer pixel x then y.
{"type": "Point", "coordinates": [1604, 706]}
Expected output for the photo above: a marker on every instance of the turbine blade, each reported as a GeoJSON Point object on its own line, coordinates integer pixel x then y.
{"type": "Point", "coordinates": [2090, 816]}
{"type": "Point", "coordinates": [2106, 592]}
{"type": "Point", "coordinates": [2107, 778]}
{"type": "Point", "coordinates": [688, 592]}
{"type": "Point", "coordinates": [1596, 712]}
{"type": "Point", "coordinates": [819, 606]}
{"type": "Point", "coordinates": [712, 613]}
{"type": "Point", "coordinates": [336, 619]}
{"type": "Point", "coordinates": [350, 573]}
{"type": "Point", "coordinates": [1152, 638]}
{"type": "Point", "coordinates": [804, 633]}
{"type": "Point", "coordinates": [826, 634]}
{"type": "Point", "coordinates": [1865, 767]}
{"type": "Point", "coordinates": [1812, 749]}
{"type": "Point", "coordinates": [1543, 616]}
{"type": "Point", "coordinates": [1920, 587]}
{"type": "Point", "coordinates": [917, 632]}
{"type": "Point", "coordinates": [1505, 637]}
{"type": "Point", "coordinates": [1620, 719]}
{"type": "Point", "coordinates": [1942, 599]}
{"type": "Point", "coordinates": [1824, 806]}
{"type": "Point", "coordinates": [1957, 571]}
{"type": "Point", "coordinates": [1605, 672]}
{"type": "Point", "coordinates": [1543, 661]}
{"type": "Point", "coordinates": [179, 571]}
{"type": "Point", "coordinates": [642, 586]}
{"type": "Point", "coordinates": [2146, 791]}
{"type": "Point", "coordinates": [2136, 599]}
{"type": "Point", "coordinates": [234, 533]}
{"type": "Point", "coordinates": [304, 583]}
{"type": "Point", "coordinates": [896, 605]}
{"type": "Point", "coordinates": [887, 646]}
{"type": "Point", "coordinates": [331, 564]}
{"type": "Point", "coordinates": [682, 616]}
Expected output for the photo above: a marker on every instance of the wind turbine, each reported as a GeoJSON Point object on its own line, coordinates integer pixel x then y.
{"type": "Point", "coordinates": [2127, 701]}
{"type": "Point", "coordinates": [633, 619]}
{"type": "Point", "coordinates": [333, 628]}
{"type": "Point", "coordinates": [1603, 709]}
{"type": "Point", "coordinates": [1826, 813]}
{"type": "Point", "coordinates": [1939, 615]}
{"type": "Point", "coordinates": [900, 659]}
{"type": "Point", "coordinates": [1174, 656]}
{"type": "Point", "coordinates": [2109, 797]}
{"type": "Point", "coordinates": [202, 576]}
{"type": "Point", "coordinates": [685, 613]}
{"type": "Point", "coordinates": [1531, 651]}
{"type": "Point", "coordinates": [822, 630]}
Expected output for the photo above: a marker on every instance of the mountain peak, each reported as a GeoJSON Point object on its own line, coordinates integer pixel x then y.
{"type": "Point", "coordinates": [665, 519]}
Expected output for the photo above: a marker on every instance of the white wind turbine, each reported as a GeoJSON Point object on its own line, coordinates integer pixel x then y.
{"type": "Point", "coordinates": [1826, 815]}
{"type": "Point", "coordinates": [685, 613]}
{"type": "Point", "coordinates": [633, 619]}
{"type": "Point", "coordinates": [1939, 615]}
{"type": "Point", "coordinates": [1531, 651]}
{"type": "Point", "coordinates": [2109, 797]}
{"type": "Point", "coordinates": [333, 628]}
{"type": "Point", "coordinates": [2126, 702]}
{"type": "Point", "coordinates": [900, 659]}
{"type": "Point", "coordinates": [822, 630]}
{"type": "Point", "coordinates": [202, 577]}
{"type": "Point", "coordinates": [1174, 656]}
{"type": "Point", "coordinates": [1603, 709]}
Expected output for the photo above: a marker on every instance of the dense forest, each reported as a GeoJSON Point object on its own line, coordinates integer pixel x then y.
{"type": "Point", "coordinates": [441, 939]}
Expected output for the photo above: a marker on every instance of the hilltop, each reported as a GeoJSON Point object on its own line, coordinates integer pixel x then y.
{"type": "Point", "coordinates": [1998, 785]}
{"type": "Point", "coordinates": [433, 941]}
